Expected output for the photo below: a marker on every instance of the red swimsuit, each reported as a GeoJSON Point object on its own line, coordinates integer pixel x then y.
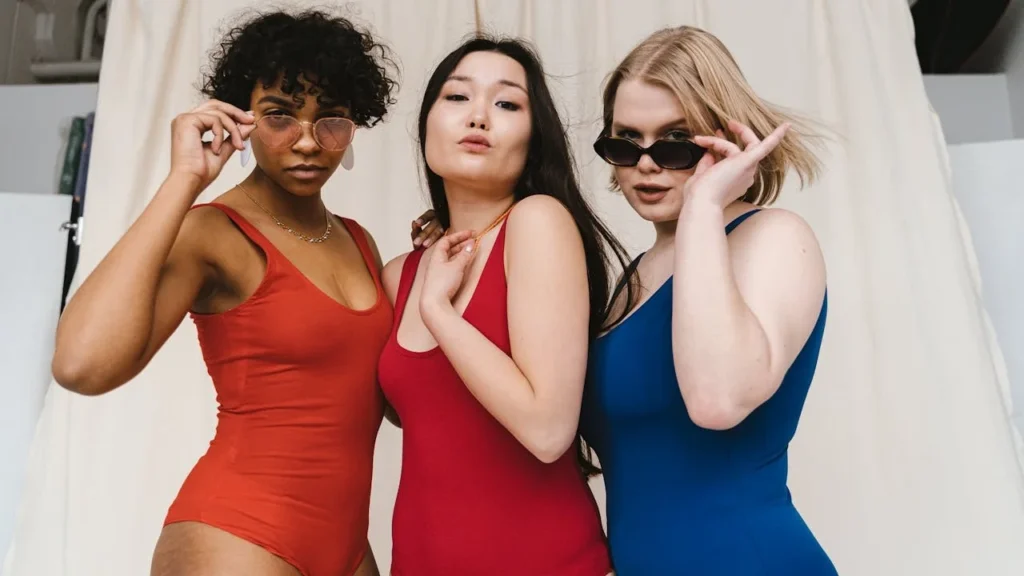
{"type": "Point", "coordinates": [295, 372]}
{"type": "Point", "coordinates": [472, 500]}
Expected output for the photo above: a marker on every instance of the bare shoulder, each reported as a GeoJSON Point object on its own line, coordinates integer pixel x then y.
{"type": "Point", "coordinates": [391, 275]}
{"type": "Point", "coordinates": [538, 210]}
{"type": "Point", "coordinates": [778, 228]}
{"type": "Point", "coordinates": [543, 241]}
{"type": "Point", "coordinates": [206, 232]}
{"type": "Point", "coordinates": [540, 223]}
{"type": "Point", "coordinates": [779, 244]}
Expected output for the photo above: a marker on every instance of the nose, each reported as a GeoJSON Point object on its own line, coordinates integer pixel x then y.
{"type": "Point", "coordinates": [646, 165]}
{"type": "Point", "coordinates": [306, 144]}
{"type": "Point", "coordinates": [478, 115]}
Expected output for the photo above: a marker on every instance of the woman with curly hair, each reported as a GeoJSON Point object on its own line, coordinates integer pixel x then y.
{"type": "Point", "coordinates": [286, 298]}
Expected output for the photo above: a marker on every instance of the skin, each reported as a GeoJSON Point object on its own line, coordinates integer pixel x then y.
{"type": "Point", "coordinates": [173, 260]}
{"type": "Point", "coordinates": [536, 392]}
{"type": "Point", "coordinates": [742, 305]}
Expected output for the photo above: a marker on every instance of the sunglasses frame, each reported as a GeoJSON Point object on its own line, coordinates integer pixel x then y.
{"type": "Point", "coordinates": [697, 150]}
{"type": "Point", "coordinates": [302, 124]}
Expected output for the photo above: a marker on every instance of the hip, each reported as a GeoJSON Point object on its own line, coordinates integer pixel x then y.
{"type": "Point", "coordinates": [763, 541]}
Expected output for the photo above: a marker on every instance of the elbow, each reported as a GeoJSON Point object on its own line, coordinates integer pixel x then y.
{"type": "Point", "coordinates": [715, 411]}
{"type": "Point", "coordinates": [76, 375]}
{"type": "Point", "coordinates": [713, 406]}
{"type": "Point", "coordinates": [550, 446]}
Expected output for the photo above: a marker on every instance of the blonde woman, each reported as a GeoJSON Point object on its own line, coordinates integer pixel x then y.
{"type": "Point", "coordinates": [696, 390]}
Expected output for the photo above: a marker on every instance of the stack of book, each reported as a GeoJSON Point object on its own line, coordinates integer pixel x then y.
{"type": "Point", "coordinates": [72, 183]}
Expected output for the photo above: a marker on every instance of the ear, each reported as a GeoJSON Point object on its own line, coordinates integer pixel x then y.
{"type": "Point", "coordinates": [349, 159]}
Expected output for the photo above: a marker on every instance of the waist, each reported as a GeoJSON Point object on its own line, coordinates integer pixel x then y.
{"type": "Point", "coordinates": [696, 485]}
{"type": "Point", "coordinates": [298, 439]}
{"type": "Point", "coordinates": [318, 483]}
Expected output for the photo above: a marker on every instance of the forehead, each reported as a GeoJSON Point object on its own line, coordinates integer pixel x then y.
{"type": "Point", "coordinates": [646, 106]}
{"type": "Point", "coordinates": [307, 97]}
{"type": "Point", "coordinates": [490, 68]}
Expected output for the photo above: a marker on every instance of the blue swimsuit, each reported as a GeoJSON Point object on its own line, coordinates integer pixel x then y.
{"type": "Point", "coordinates": [684, 500]}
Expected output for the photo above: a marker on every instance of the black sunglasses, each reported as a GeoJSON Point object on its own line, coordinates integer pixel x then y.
{"type": "Point", "coordinates": [669, 154]}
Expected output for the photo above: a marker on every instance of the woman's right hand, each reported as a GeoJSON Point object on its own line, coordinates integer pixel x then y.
{"type": "Point", "coordinates": [192, 157]}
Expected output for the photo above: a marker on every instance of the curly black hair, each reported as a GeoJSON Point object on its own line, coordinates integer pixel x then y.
{"type": "Point", "coordinates": [339, 63]}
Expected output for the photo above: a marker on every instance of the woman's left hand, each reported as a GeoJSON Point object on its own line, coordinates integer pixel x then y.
{"type": "Point", "coordinates": [426, 230]}
{"type": "Point", "coordinates": [445, 270]}
{"type": "Point", "coordinates": [725, 179]}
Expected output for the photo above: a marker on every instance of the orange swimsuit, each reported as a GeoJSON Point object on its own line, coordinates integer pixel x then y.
{"type": "Point", "coordinates": [289, 468]}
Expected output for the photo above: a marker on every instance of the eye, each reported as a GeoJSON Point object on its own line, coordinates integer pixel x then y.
{"type": "Point", "coordinates": [629, 134]}
{"type": "Point", "coordinates": [677, 135]}
{"type": "Point", "coordinates": [510, 106]}
{"type": "Point", "coordinates": [456, 98]}
{"type": "Point", "coordinates": [275, 112]}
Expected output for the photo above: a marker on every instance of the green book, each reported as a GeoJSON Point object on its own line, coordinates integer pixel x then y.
{"type": "Point", "coordinates": [72, 156]}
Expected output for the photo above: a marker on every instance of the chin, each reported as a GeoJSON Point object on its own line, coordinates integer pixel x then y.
{"type": "Point", "coordinates": [664, 211]}
{"type": "Point", "coordinates": [302, 187]}
{"type": "Point", "coordinates": [657, 214]}
{"type": "Point", "coordinates": [472, 176]}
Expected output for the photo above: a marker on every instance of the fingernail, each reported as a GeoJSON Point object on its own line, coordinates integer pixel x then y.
{"type": "Point", "coordinates": [417, 242]}
{"type": "Point", "coordinates": [469, 248]}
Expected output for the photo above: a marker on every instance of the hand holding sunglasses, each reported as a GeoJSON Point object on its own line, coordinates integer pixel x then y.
{"type": "Point", "coordinates": [726, 179]}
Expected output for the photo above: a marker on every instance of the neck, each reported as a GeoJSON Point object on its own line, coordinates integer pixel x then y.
{"type": "Point", "coordinates": [664, 235]}
{"type": "Point", "coordinates": [304, 211]}
{"type": "Point", "coordinates": [665, 232]}
{"type": "Point", "coordinates": [472, 209]}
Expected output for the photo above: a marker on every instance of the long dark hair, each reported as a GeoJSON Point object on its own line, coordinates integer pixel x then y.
{"type": "Point", "coordinates": [549, 170]}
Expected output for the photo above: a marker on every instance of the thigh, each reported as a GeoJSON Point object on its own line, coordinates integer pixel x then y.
{"type": "Point", "coordinates": [196, 549]}
{"type": "Point", "coordinates": [368, 567]}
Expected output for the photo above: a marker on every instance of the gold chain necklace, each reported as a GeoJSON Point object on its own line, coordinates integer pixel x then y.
{"type": "Point", "coordinates": [289, 229]}
{"type": "Point", "coordinates": [498, 220]}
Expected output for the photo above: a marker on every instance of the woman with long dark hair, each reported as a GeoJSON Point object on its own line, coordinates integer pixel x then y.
{"type": "Point", "coordinates": [486, 363]}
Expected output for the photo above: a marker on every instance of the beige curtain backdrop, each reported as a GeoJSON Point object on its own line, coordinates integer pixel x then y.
{"type": "Point", "coordinates": [905, 462]}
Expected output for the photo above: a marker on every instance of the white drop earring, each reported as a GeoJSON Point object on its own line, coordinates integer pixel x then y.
{"type": "Point", "coordinates": [246, 153]}
{"type": "Point", "coordinates": [349, 159]}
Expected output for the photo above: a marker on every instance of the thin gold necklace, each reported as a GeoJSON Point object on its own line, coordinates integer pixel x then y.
{"type": "Point", "coordinates": [289, 229]}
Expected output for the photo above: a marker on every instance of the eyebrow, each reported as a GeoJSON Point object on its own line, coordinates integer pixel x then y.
{"type": "Point", "coordinates": [277, 100]}
{"type": "Point", "coordinates": [679, 123]}
{"type": "Point", "coordinates": [325, 108]}
{"type": "Point", "coordinates": [503, 82]}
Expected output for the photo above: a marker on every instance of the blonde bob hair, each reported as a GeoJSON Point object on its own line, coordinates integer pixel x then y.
{"type": "Point", "coordinates": [699, 70]}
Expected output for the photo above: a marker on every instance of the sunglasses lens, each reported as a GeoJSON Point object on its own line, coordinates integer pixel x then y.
{"type": "Point", "coordinates": [278, 131]}
{"type": "Point", "coordinates": [334, 133]}
{"type": "Point", "coordinates": [618, 151]}
{"type": "Point", "coordinates": [676, 155]}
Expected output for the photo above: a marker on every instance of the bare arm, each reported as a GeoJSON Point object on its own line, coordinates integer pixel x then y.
{"type": "Point", "coordinates": [536, 393]}
{"type": "Point", "coordinates": [742, 308]}
{"type": "Point", "coordinates": [141, 290]}
{"type": "Point", "coordinates": [134, 299]}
